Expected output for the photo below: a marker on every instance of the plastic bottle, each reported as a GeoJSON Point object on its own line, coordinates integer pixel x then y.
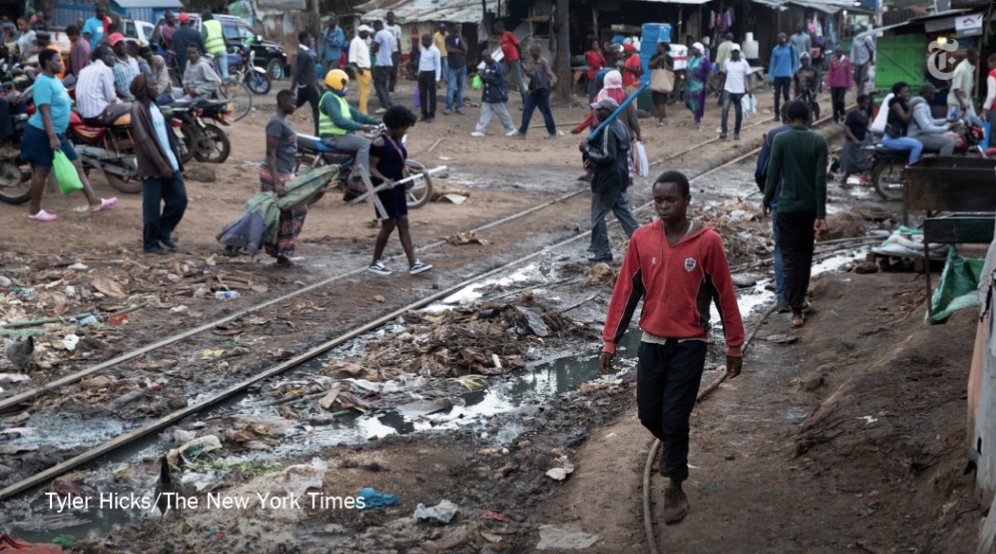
{"type": "Point", "coordinates": [226, 294]}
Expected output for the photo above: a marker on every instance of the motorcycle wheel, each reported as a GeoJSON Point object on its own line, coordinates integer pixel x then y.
{"type": "Point", "coordinates": [275, 69]}
{"type": "Point", "coordinates": [887, 176]}
{"type": "Point", "coordinates": [419, 192]}
{"type": "Point", "coordinates": [15, 185]}
{"type": "Point", "coordinates": [238, 94]}
{"type": "Point", "coordinates": [129, 186]}
{"type": "Point", "coordinates": [221, 147]}
{"type": "Point", "coordinates": [258, 83]}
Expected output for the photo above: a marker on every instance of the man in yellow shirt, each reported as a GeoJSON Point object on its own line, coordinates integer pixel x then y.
{"type": "Point", "coordinates": [439, 39]}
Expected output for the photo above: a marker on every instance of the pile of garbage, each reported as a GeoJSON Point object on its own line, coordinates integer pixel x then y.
{"type": "Point", "coordinates": [490, 339]}
{"type": "Point", "coordinates": [745, 235]}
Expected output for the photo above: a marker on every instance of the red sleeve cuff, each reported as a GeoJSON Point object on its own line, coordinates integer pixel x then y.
{"type": "Point", "coordinates": [609, 347]}
{"type": "Point", "coordinates": [735, 352]}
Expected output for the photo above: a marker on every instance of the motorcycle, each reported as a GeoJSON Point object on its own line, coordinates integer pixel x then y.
{"type": "Point", "coordinates": [312, 153]}
{"type": "Point", "coordinates": [889, 165]}
{"type": "Point", "coordinates": [109, 149]}
{"type": "Point", "coordinates": [242, 67]}
{"type": "Point", "coordinates": [15, 173]}
{"type": "Point", "coordinates": [203, 141]}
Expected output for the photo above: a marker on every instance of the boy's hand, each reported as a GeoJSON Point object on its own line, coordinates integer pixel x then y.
{"type": "Point", "coordinates": [734, 365]}
{"type": "Point", "coordinates": [605, 362]}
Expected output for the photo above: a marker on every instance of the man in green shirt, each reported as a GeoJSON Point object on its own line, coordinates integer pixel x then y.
{"type": "Point", "coordinates": [799, 156]}
{"type": "Point", "coordinates": [338, 122]}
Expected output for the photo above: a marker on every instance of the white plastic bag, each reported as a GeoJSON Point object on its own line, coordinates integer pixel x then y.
{"type": "Point", "coordinates": [749, 104]}
{"type": "Point", "coordinates": [642, 164]}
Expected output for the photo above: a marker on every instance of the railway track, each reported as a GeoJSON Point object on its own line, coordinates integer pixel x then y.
{"type": "Point", "coordinates": [231, 390]}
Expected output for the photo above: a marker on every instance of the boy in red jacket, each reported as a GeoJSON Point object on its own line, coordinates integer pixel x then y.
{"type": "Point", "coordinates": [679, 268]}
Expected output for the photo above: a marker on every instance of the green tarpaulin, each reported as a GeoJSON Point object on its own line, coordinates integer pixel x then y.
{"type": "Point", "coordinates": [959, 286]}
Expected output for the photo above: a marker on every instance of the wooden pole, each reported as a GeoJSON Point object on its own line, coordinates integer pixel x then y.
{"type": "Point", "coordinates": [594, 19]}
{"type": "Point", "coordinates": [564, 82]}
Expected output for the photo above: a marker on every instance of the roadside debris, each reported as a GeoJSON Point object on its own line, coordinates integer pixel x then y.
{"type": "Point", "coordinates": [20, 353]}
{"type": "Point", "coordinates": [193, 449]}
{"type": "Point", "coordinates": [564, 538]}
{"type": "Point", "coordinates": [297, 479]}
{"type": "Point", "coordinates": [444, 512]}
{"type": "Point", "coordinates": [373, 499]}
{"type": "Point", "coordinates": [466, 238]}
{"type": "Point", "coordinates": [563, 471]}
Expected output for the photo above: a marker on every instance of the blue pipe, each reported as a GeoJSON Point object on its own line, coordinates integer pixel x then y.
{"type": "Point", "coordinates": [619, 110]}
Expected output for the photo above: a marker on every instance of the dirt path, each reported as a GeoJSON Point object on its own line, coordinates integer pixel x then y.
{"type": "Point", "coordinates": [849, 439]}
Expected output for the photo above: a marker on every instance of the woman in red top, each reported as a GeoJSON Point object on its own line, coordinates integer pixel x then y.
{"type": "Point", "coordinates": [596, 61]}
{"type": "Point", "coordinates": [632, 69]}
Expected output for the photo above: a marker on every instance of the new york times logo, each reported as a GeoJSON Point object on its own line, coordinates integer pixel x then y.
{"type": "Point", "coordinates": [940, 59]}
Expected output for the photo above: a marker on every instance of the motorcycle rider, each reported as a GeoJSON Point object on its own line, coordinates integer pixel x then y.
{"type": "Point", "coordinates": [338, 122]}
{"type": "Point", "coordinates": [97, 100]}
{"type": "Point", "coordinates": [929, 131]}
{"type": "Point", "coordinates": [200, 80]}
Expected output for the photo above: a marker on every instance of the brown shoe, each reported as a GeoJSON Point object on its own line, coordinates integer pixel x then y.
{"type": "Point", "coordinates": [798, 320]}
{"type": "Point", "coordinates": [675, 505]}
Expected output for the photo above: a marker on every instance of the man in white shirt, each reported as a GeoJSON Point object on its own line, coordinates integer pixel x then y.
{"type": "Point", "coordinates": [430, 72]}
{"type": "Point", "coordinates": [96, 98]}
{"type": "Point", "coordinates": [962, 85]}
{"type": "Point", "coordinates": [738, 84]}
{"type": "Point", "coordinates": [383, 49]}
{"type": "Point", "coordinates": [359, 60]}
{"type": "Point", "coordinates": [395, 30]}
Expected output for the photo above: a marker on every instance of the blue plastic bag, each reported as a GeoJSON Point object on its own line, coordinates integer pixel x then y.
{"type": "Point", "coordinates": [987, 127]}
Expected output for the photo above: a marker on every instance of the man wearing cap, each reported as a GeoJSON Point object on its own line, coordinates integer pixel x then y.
{"type": "Point", "coordinates": [359, 60]}
{"type": "Point", "coordinates": [607, 156]}
{"type": "Point", "coordinates": [95, 28]}
{"type": "Point", "coordinates": [631, 69]}
{"type": "Point", "coordinates": [929, 131]}
{"type": "Point", "coordinates": [333, 39]}
{"type": "Point", "coordinates": [186, 36]}
{"type": "Point", "coordinates": [738, 83]}
{"type": "Point", "coordinates": [125, 67]}
{"type": "Point", "coordinates": [97, 97]}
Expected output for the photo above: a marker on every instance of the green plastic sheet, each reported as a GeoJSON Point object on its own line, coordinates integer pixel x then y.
{"type": "Point", "coordinates": [959, 286]}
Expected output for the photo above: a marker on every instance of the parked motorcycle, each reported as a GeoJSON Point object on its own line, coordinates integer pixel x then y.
{"type": "Point", "coordinates": [889, 166]}
{"type": "Point", "coordinates": [312, 153]}
{"type": "Point", "coordinates": [256, 78]}
{"type": "Point", "coordinates": [109, 149]}
{"type": "Point", "coordinates": [201, 137]}
{"type": "Point", "coordinates": [15, 173]}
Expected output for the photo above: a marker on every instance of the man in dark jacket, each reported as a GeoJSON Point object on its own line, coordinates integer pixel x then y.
{"type": "Point", "coordinates": [159, 168]}
{"type": "Point", "coordinates": [493, 98]}
{"type": "Point", "coordinates": [799, 158]}
{"type": "Point", "coordinates": [305, 80]}
{"type": "Point", "coordinates": [607, 155]}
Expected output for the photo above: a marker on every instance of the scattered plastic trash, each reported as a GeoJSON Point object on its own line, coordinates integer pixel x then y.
{"type": "Point", "coordinates": [194, 448]}
{"type": "Point", "coordinates": [373, 499]}
{"type": "Point", "coordinates": [10, 544]}
{"type": "Point", "coordinates": [203, 482]}
{"type": "Point", "coordinates": [27, 294]}
{"type": "Point", "coordinates": [535, 321]}
{"type": "Point", "coordinates": [5, 281]}
{"type": "Point", "coordinates": [227, 294]}
{"type": "Point", "coordinates": [564, 538]}
{"type": "Point", "coordinates": [70, 341]}
{"type": "Point", "coordinates": [444, 512]}
{"type": "Point", "coordinates": [78, 266]}
{"type": "Point", "coordinates": [88, 320]}
{"type": "Point", "coordinates": [297, 479]}
{"type": "Point", "coordinates": [118, 319]}
{"type": "Point", "coordinates": [561, 473]}
{"type": "Point", "coordinates": [488, 514]}
{"type": "Point", "coordinates": [14, 377]}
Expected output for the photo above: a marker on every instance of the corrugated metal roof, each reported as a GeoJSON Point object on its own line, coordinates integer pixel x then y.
{"type": "Point", "coordinates": [149, 3]}
{"type": "Point", "coordinates": [419, 11]}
